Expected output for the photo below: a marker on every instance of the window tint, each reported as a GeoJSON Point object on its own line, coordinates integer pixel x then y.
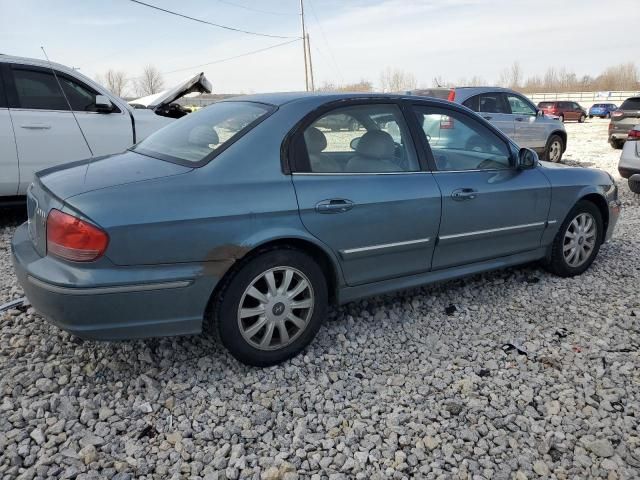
{"type": "Point", "coordinates": [38, 90]}
{"type": "Point", "coordinates": [459, 142]}
{"type": "Point", "coordinates": [360, 139]}
{"type": "Point", "coordinates": [197, 137]}
{"type": "Point", "coordinates": [520, 106]}
{"type": "Point", "coordinates": [3, 97]}
{"type": "Point", "coordinates": [492, 103]}
{"type": "Point", "coordinates": [81, 98]}
{"type": "Point", "coordinates": [631, 104]}
{"type": "Point", "coordinates": [545, 104]}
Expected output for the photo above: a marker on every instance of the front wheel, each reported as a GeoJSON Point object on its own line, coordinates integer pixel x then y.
{"type": "Point", "coordinates": [616, 144]}
{"type": "Point", "coordinates": [590, 116]}
{"type": "Point", "coordinates": [634, 184]}
{"type": "Point", "coordinates": [561, 118]}
{"type": "Point", "coordinates": [582, 118]}
{"type": "Point", "coordinates": [554, 149]}
{"type": "Point", "coordinates": [608, 115]}
{"type": "Point", "coordinates": [577, 242]}
{"type": "Point", "coordinates": [272, 307]}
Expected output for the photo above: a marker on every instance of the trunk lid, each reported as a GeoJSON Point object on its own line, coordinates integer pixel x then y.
{"type": "Point", "coordinates": [197, 83]}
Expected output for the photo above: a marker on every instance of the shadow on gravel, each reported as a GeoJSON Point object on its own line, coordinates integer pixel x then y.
{"type": "Point", "coordinates": [12, 216]}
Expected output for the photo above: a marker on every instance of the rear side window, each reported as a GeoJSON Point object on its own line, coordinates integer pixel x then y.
{"type": "Point", "coordinates": [491, 103]}
{"type": "Point", "coordinates": [3, 96]}
{"type": "Point", "coordinates": [197, 138]}
{"type": "Point", "coordinates": [631, 104]}
{"type": "Point", "coordinates": [545, 104]}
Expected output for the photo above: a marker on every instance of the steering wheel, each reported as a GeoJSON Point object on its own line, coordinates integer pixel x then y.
{"type": "Point", "coordinates": [488, 164]}
{"type": "Point", "coordinates": [477, 144]}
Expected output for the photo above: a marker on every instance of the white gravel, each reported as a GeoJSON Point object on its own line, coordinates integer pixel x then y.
{"type": "Point", "coordinates": [393, 387]}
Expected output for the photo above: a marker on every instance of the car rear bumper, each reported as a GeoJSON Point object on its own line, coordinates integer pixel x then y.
{"type": "Point", "coordinates": [164, 300]}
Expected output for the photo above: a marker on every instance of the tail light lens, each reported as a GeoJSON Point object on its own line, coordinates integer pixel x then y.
{"type": "Point", "coordinates": [634, 135]}
{"type": "Point", "coordinates": [617, 113]}
{"type": "Point", "coordinates": [74, 239]}
{"type": "Point", "coordinates": [452, 95]}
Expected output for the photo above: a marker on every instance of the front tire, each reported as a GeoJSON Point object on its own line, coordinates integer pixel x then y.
{"type": "Point", "coordinates": [554, 149]}
{"type": "Point", "coordinates": [561, 118]}
{"type": "Point", "coordinates": [272, 307]}
{"type": "Point", "coordinates": [582, 118]}
{"type": "Point", "coordinates": [577, 242]}
{"type": "Point", "coordinates": [616, 144]}
{"type": "Point", "coordinates": [634, 185]}
{"type": "Point", "coordinates": [590, 116]}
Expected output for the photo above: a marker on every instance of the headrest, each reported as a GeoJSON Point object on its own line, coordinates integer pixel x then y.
{"type": "Point", "coordinates": [203, 135]}
{"type": "Point", "coordinates": [315, 140]}
{"type": "Point", "coordinates": [376, 144]}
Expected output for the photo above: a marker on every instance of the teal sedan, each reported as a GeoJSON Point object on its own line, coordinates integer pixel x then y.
{"type": "Point", "coordinates": [255, 215]}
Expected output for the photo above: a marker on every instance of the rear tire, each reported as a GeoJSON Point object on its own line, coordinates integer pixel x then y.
{"type": "Point", "coordinates": [634, 185]}
{"type": "Point", "coordinates": [272, 307]}
{"type": "Point", "coordinates": [580, 235]}
{"type": "Point", "coordinates": [554, 149]}
{"type": "Point", "coordinates": [616, 144]}
{"type": "Point", "coordinates": [590, 116]}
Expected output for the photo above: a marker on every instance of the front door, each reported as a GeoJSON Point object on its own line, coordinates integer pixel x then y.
{"type": "Point", "coordinates": [364, 194]}
{"type": "Point", "coordinates": [8, 154]}
{"type": "Point", "coordinates": [489, 208]}
{"type": "Point", "coordinates": [529, 129]}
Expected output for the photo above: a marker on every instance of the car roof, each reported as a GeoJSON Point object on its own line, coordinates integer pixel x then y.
{"type": "Point", "coordinates": [282, 98]}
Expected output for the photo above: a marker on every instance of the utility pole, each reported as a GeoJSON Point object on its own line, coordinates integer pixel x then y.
{"type": "Point", "coordinates": [304, 46]}
{"type": "Point", "coordinates": [313, 87]}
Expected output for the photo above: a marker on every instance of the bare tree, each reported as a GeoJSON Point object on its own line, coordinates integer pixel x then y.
{"type": "Point", "coordinates": [149, 82]}
{"type": "Point", "coordinates": [115, 81]}
{"type": "Point", "coordinates": [475, 81]}
{"type": "Point", "coordinates": [396, 80]}
{"type": "Point", "coordinates": [512, 76]}
{"type": "Point", "coordinates": [361, 86]}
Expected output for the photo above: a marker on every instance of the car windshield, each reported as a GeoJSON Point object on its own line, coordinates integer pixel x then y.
{"type": "Point", "coordinates": [631, 104]}
{"type": "Point", "coordinates": [196, 138]}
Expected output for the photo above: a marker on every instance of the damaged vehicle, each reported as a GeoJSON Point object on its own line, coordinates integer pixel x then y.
{"type": "Point", "coordinates": [254, 215]}
{"type": "Point", "coordinates": [38, 130]}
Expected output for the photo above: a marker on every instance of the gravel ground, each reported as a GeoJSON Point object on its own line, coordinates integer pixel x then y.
{"type": "Point", "coordinates": [413, 385]}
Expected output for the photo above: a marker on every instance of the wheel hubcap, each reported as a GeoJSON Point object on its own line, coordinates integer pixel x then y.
{"type": "Point", "coordinates": [275, 308]}
{"type": "Point", "coordinates": [579, 240]}
{"type": "Point", "coordinates": [554, 151]}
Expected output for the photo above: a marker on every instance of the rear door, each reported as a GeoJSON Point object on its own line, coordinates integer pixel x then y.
{"type": "Point", "coordinates": [9, 175]}
{"type": "Point", "coordinates": [493, 107]}
{"type": "Point", "coordinates": [490, 209]}
{"type": "Point", "coordinates": [529, 130]}
{"type": "Point", "coordinates": [365, 193]}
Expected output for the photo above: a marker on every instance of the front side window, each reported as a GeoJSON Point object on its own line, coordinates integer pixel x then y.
{"type": "Point", "coordinates": [459, 142]}
{"type": "Point", "coordinates": [195, 139]}
{"type": "Point", "coordinates": [38, 89]}
{"type": "Point", "coordinates": [519, 106]}
{"type": "Point", "coordinates": [360, 139]}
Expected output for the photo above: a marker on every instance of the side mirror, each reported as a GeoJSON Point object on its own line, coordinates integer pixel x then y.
{"type": "Point", "coordinates": [103, 104]}
{"type": "Point", "coordinates": [527, 159]}
{"type": "Point", "coordinates": [354, 143]}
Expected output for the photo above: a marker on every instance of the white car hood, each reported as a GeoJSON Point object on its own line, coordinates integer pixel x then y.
{"type": "Point", "coordinates": [197, 83]}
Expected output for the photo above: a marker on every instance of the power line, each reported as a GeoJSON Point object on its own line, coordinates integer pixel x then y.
{"type": "Point", "coordinates": [256, 9]}
{"type": "Point", "coordinates": [326, 41]}
{"type": "Point", "coordinates": [226, 59]}
{"type": "Point", "coordinates": [233, 29]}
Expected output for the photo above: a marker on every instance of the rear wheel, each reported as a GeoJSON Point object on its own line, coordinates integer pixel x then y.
{"type": "Point", "coordinates": [272, 307]}
{"type": "Point", "coordinates": [577, 242]}
{"type": "Point", "coordinates": [582, 118]}
{"type": "Point", "coordinates": [590, 116]}
{"type": "Point", "coordinates": [616, 144]}
{"type": "Point", "coordinates": [634, 183]}
{"type": "Point", "coordinates": [554, 149]}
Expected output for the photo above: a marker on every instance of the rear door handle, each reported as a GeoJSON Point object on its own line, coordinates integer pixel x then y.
{"type": "Point", "coordinates": [464, 194]}
{"type": "Point", "coordinates": [335, 205]}
{"type": "Point", "coordinates": [36, 126]}
{"type": "Point", "coordinates": [519, 119]}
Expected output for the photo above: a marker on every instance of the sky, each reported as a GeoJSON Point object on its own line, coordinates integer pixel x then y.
{"type": "Point", "coordinates": [350, 40]}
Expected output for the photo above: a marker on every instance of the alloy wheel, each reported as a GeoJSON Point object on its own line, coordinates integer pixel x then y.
{"type": "Point", "coordinates": [275, 308]}
{"type": "Point", "coordinates": [579, 239]}
{"type": "Point", "coordinates": [555, 151]}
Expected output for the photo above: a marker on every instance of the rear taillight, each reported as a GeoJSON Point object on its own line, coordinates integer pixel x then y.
{"type": "Point", "coordinates": [634, 135]}
{"type": "Point", "coordinates": [452, 95]}
{"type": "Point", "coordinates": [74, 239]}
{"type": "Point", "coordinates": [617, 113]}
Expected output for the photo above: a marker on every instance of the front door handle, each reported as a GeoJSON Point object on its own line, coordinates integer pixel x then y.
{"type": "Point", "coordinates": [335, 205]}
{"type": "Point", "coordinates": [464, 194]}
{"type": "Point", "coordinates": [519, 119]}
{"type": "Point", "coordinates": [36, 126]}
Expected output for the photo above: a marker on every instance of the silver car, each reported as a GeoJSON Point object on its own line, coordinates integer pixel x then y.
{"type": "Point", "coordinates": [512, 113]}
{"type": "Point", "coordinates": [629, 165]}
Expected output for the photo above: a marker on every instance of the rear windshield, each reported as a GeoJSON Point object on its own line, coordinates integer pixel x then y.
{"type": "Point", "coordinates": [196, 138]}
{"type": "Point", "coordinates": [631, 104]}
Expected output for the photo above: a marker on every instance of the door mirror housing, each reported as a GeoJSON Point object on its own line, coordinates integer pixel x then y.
{"type": "Point", "coordinates": [103, 104]}
{"type": "Point", "coordinates": [527, 159]}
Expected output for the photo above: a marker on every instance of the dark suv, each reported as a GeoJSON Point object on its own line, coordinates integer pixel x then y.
{"type": "Point", "coordinates": [564, 110]}
{"type": "Point", "coordinates": [623, 120]}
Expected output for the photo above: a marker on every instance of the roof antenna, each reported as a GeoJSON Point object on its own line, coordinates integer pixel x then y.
{"type": "Point", "coordinates": [67, 100]}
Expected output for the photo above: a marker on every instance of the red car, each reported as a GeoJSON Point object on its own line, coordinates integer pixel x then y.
{"type": "Point", "coordinates": [564, 110]}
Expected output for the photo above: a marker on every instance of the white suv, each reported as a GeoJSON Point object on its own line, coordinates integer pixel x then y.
{"type": "Point", "coordinates": [512, 113]}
